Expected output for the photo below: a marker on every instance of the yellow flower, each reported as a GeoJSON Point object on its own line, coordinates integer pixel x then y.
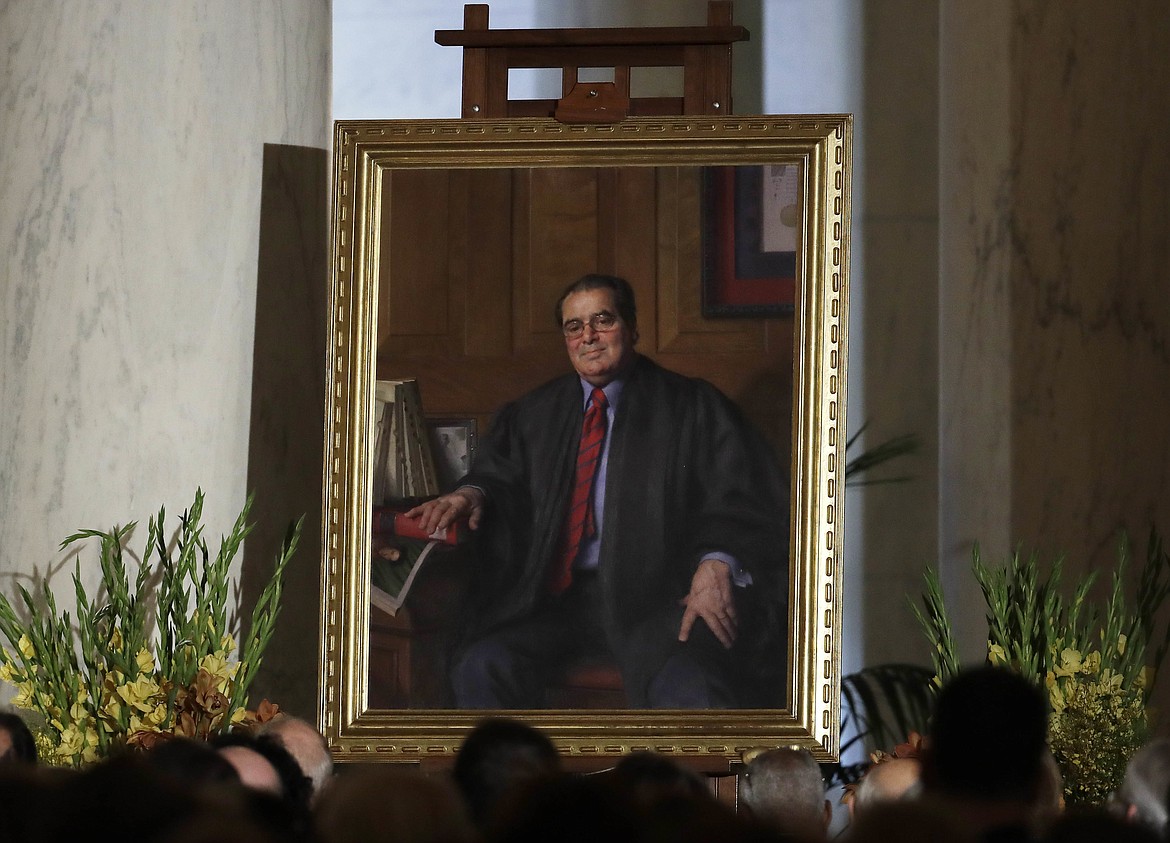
{"type": "Point", "coordinates": [116, 639]}
{"type": "Point", "coordinates": [1056, 696]}
{"type": "Point", "coordinates": [996, 654]}
{"type": "Point", "coordinates": [1111, 680]}
{"type": "Point", "coordinates": [112, 708]}
{"type": "Point", "coordinates": [7, 673]}
{"type": "Point", "coordinates": [72, 741]}
{"type": "Point", "coordinates": [89, 753]}
{"type": "Point", "coordinates": [156, 718]}
{"type": "Point", "coordinates": [139, 692]}
{"type": "Point", "coordinates": [239, 715]}
{"type": "Point", "coordinates": [1121, 644]}
{"type": "Point", "coordinates": [151, 721]}
{"type": "Point", "coordinates": [1070, 662]}
{"type": "Point", "coordinates": [145, 661]}
{"type": "Point", "coordinates": [1144, 677]}
{"type": "Point", "coordinates": [78, 712]}
{"type": "Point", "coordinates": [227, 643]}
{"type": "Point", "coordinates": [26, 648]}
{"type": "Point", "coordinates": [1092, 663]}
{"type": "Point", "coordinates": [219, 668]}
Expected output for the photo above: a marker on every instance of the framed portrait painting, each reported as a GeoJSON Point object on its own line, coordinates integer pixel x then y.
{"type": "Point", "coordinates": [452, 242]}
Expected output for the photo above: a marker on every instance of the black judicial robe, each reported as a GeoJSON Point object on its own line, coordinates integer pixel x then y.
{"type": "Point", "coordinates": [687, 475]}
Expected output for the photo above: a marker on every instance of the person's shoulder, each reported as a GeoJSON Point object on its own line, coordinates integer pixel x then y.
{"type": "Point", "coordinates": [648, 372]}
{"type": "Point", "coordinates": [550, 392]}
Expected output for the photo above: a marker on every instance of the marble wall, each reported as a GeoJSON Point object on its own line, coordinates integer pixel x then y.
{"type": "Point", "coordinates": [975, 353]}
{"type": "Point", "coordinates": [1055, 213]}
{"type": "Point", "coordinates": [1090, 238]}
{"type": "Point", "coordinates": [892, 529]}
{"type": "Point", "coordinates": [134, 141]}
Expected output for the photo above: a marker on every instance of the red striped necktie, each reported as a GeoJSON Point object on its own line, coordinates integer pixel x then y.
{"type": "Point", "coordinates": [579, 522]}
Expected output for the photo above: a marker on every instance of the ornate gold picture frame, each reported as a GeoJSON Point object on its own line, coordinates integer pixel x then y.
{"type": "Point", "coordinates": [395, 306]}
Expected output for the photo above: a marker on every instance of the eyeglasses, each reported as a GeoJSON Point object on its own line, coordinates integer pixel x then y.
{"type": "Point", "coordinates": [600, 322]}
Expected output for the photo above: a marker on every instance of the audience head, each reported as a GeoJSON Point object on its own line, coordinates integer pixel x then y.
{"type": "Point", "coordinates": [279, 791]}
{"type": "Point", "coordinates": [568, 809]}
{"type": "Point", "coordinates": [685, 818]}
{"type": "Point", "coordinates": [304, 743]}
{"type": "Point", "coordinates": [191, 762]}
{"type": "Point", "coordinates": [387, 805]}
{"type": "Point", "coordinates": [1143, 793]}
{"type": "Point", "coordinates": [253, 767]}
{"type": "Point", "coordinates": [29, 794]}
{"type": "Point", "coordinates": [909, 821]}
{"type": "Point", "coordinates": [1049, 802]}
{"type": "Point", "coordinates": [889, 781]}
{"type": "Point", "coordinates": [1096, 825]}
{"type": "Point", "coordinates": [124, 793]}
{"type": "Point", "coordinates": [650, 777]}
{"type": "Point", "coordinates": [496, 758]}
{"type": "Point", "coordinates": [16, 741]}
{"type": "Point", "coordinates": [987, 739]}
{"type": "Point", "coordinates": [783, 788]}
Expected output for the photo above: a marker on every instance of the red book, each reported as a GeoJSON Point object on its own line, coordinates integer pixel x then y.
{"type": "Point", "coordinates": [393, 522]}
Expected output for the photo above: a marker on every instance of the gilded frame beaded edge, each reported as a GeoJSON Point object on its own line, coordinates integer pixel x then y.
{"type": "Point", "coordinates": [823, 144]}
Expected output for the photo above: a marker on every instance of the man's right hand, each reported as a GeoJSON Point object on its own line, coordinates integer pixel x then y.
{"type": "Point", "coordinates": [445, 510]}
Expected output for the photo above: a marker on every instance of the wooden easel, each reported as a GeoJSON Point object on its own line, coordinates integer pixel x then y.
{"type": "Point", "coordinates": [703, 52]}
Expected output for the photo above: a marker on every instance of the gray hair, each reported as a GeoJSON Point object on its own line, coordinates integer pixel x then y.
{"type": "Point", "coordinates": [783, 787]}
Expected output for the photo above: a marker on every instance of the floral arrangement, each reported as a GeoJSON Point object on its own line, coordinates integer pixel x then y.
{"type": "Point", "coordinates": [138, 665]}
{"type": "Point", "coordinates": [1097, 664]}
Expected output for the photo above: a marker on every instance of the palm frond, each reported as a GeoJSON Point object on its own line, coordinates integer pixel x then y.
{"type": "Point", "coordinates": [897, 446]}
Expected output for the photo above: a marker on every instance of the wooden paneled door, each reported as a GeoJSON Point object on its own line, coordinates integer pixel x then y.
{"type": "Point", "coordinates": [473, 262]}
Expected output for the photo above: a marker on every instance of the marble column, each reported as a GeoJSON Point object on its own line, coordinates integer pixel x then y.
{"type": "Point", "coordinates": [1090, 229]}
{"type": "Point", "coordinates": [894, 336]}
{"type": "Point", "coordinates": [1056, 219]}
{"type": "Point", "coordinates": [134, 144]}
{"type": "Point", "coordinates": [975, 348]}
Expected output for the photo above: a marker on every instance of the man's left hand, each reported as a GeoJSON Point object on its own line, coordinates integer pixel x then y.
{"type": "Point", "coordinates": [711, 600]}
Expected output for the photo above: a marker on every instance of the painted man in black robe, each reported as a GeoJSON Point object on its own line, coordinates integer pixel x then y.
{"type": "Point", "coordinates": [684, 580]}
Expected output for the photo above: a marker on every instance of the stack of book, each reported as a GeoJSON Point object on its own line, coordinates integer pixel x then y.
{"type": "Point", "coordinates": [403, 464]}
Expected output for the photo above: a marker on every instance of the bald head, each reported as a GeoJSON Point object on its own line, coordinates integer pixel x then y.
{"type": "Point", "coordinates": [886, 782]}
{"type": "Point", "coordinates": [255, 771]}
{"type": "Point", "coordinates": [784, 788]}
{"type": "Point", "coordinates": [305, 744]}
